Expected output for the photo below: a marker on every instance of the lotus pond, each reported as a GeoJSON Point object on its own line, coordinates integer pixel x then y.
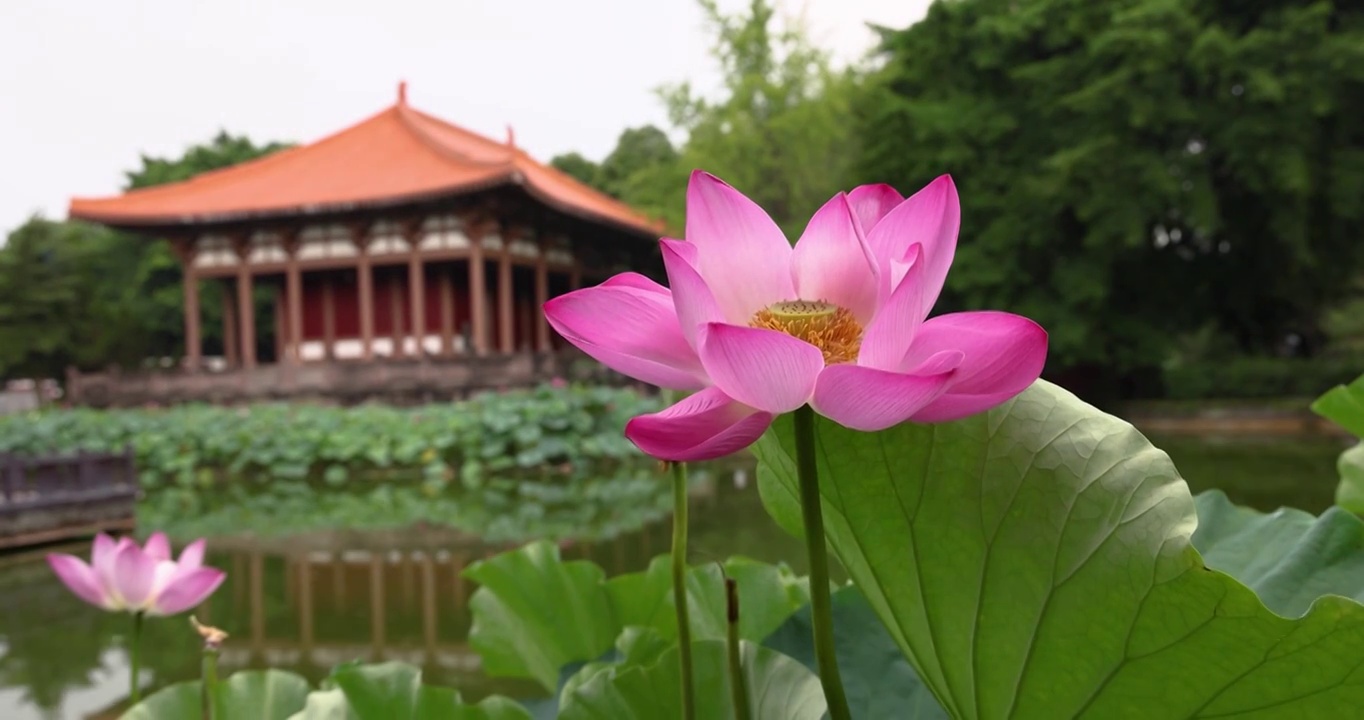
{"type": "Point", "coordinates": [303, 598]}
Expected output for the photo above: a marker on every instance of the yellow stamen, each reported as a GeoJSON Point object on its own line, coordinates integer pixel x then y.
{"type": "Point", "coordinates": [828, 327]}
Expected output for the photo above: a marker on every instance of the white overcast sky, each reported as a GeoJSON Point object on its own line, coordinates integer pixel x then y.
{"type": "Point", "coordinates": [88, 85]}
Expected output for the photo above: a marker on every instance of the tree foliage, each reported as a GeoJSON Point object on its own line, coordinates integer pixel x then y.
{"type": "Point", "coordinates": [779, 128]}
{"type": "Point", "coordinates": [224, 150]}
{"type": "Point", "coordinates": [76, 294]}
{"type": "Point", "coordinates": [576, 166]}
{"type": "Point", "coordinates": [642, 170]}
{"type": "Point", "coordinates": [1135, 169]}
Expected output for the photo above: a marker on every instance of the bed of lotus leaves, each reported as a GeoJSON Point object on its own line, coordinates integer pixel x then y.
{"type": "Point", "coordinates": [1042, 560]}
{"type": "Point", "coordinates": [509, 466]}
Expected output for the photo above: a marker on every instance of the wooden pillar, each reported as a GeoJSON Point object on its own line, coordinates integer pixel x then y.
{"type": "Point", "coordinates": [293, 303]}
{"type": "Point", "coordinates": [376, 604]}
{"type": "Point", "coordinates": [257, 593]}
{"type": "Point", "coordinates": [478, 294]}
{"type": "Point", "coordinates": [458, 562]}
{"type": "Point", "coordinates": [506, 327]}
{"type": "Point", "coordinates": [246, 311]}
{"type": "Point", "coordinates": [305, 603]}
{"type": "Point", "coordinates": [395, 313]}
{"type": "Point", "coordinates": [541, 297]}
{"type": "Point", "coordinates": [416, 291]}
{"type": "Point", "coordinates": [430, 621]}
{"type": "Point", "coordinates": [281, 332]}
{"type": "Point", "coordinates": [365, 283]}
{"type": "Point", "coordinates": [575, 275]}
{"type": "Point", "coordinates": [230, 345]}
{"type": "Point", "coordinates": [328, 317]}
{"type": "Point", "coordinates": [193, 341]}
{"type": "Point", "coordinates": [447, 313]}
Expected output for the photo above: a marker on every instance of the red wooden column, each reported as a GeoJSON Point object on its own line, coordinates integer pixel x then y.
{"type": "Point", "coordinates": [328, 318]}
{"type": "Point", "coordinates": [416, 287]}
{"type": "Point", "coordinates": [245, 307]}
{"type": "Point", "coordinates": [395, 314]}
{"type": "Point", "coordinates": [193, 337]}
{"type": "Point", "coordinates": [478, 291]}
{"type": "Point", "coordinates": [230, 345]}
{"type": "Point", "coordinates": [506, 328]}
{"type": "Point", "coordinates": [575, 275]}
{"type": "Point", "coordinates": [281, 326]}
{"type": "Point", "coordinates": [365, 284]}
{"type": "Point", "coordinates": [447, 313]}
{"type": "Point", "coordinates": [541, 297]}
{"type": "Point", "coordinates": [293, 301]}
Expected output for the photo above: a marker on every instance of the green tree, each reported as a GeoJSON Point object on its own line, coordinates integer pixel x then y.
{"type": "Point", "coordinates": [1133, 169]}
{"type": "Point", "coordinates": [638, 150]}
{"type": "Point", "coordinates": [77, 294]}
{"type": "Point", "coordinates": [154, 288]}
{"type": "Point", "coordinates": [779, 129]}
{"type": "Point", "coordinates": [578, 167]}
{"type": "Point", "coordinates": [224, 150]}
{"type": "Point", "coordinates": [43, 296]}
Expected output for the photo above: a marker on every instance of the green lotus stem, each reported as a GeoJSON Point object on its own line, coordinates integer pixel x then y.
{"type": "Point", "coordinates": [821, 614]}
{"type": "Point", "coordinates": [135, 659]}
{"type": "Point", "coordinates": [738, 689]}
{"type": "Point", "coordinates": [680, 587]}
{"type": "Point", "coordinates": [209, 686]}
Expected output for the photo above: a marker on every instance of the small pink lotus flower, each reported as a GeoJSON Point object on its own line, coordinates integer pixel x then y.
{"type": "Point", "coordinates": [840, 322]}
{"type": "Point", "coordinates": [123, 576]}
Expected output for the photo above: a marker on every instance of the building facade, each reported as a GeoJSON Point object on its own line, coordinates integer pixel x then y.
{"type": "Point", "coordinates": [403, 237]}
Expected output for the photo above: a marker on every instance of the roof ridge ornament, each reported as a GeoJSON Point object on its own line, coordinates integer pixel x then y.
{"type": "Point", "coordinates": [402, 92]}
{"type": "Point", "coordinates": [511, 137]}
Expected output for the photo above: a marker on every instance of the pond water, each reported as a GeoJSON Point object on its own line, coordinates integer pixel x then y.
{"type": "Point", "coordinates": [311, 602]}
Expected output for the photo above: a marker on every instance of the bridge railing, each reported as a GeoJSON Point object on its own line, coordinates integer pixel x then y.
{"type": "Point", "coordinates": [53, 497]}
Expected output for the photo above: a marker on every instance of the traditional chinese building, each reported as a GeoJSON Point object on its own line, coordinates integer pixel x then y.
{"type": "Point", "coordinates": [403, 241]}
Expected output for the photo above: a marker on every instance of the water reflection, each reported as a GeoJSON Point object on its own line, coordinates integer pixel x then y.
{"type": "Point", "coordinates": [312, 601]}
{"type": "Point", "coordinates": [309, 602]}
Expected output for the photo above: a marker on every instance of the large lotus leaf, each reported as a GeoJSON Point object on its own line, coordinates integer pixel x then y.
{"type": "Point", "coordinates": [779, 688]}
{"type": "Point", "coordinates": [768, 595]}
{"type": "Point", "coordinates": [246, 695]}
{"type": "Point", "coordinates": [644, 598]}
{"type": "Point", "coordinates": [879, 682]}
{"type": "Point", "coordinates": [181, 701]}
{"type": "Point", "coordinates": [1035, 561]}
{"type": "Point", "coordinates": [1288, 557]}
{"type": "Point", "coordinates": [394, 691]}
{"type": "Point", "coordinates": [1350, 491]}
{"type": "Point", "coordinates": [536, 614]}
{"type": "Point", "coordinates": [1344, 405]}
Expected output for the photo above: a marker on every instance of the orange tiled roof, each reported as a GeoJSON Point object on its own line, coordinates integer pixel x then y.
{"type": "Point", "coordinates": [398, 155]}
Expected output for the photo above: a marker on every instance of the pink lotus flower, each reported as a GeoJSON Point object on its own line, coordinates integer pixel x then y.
{"type": "Point", "coordinates": [123, 576]}
{"type": "Point", "coordinates": [759, 328]}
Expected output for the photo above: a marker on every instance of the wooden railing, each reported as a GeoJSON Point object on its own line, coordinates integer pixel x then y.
{"type": "Point", "coordinates": [49, 498]}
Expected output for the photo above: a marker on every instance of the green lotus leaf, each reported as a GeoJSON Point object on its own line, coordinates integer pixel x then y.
{"type": "Point", "coordinates": [1035, 561]}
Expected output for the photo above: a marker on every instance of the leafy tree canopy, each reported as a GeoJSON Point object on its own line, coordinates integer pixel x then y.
{"type": "Point", "coordinates": [73, 293]}
{"type": "Point", "coordinates": [1133, 169]}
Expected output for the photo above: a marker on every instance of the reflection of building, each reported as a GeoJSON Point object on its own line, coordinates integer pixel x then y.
{"type": "Point", "coordinates": [402, 236]}
{"type": "Point", "coordinates": [304, 605]}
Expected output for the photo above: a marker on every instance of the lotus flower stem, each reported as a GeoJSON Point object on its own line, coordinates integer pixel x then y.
{"type": "Point", "coordinates": [213, 642]}
{"type": "Point", "coordinates": [737, 688]}
{"type": "Point", "coordinates": [821, 614]}
{"type": "Point", "coordinates": [210, 680]}
{"type": "Point", "coordinates": [135, 659]}
{"type": "Point", "coordinates": [680, 587]}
